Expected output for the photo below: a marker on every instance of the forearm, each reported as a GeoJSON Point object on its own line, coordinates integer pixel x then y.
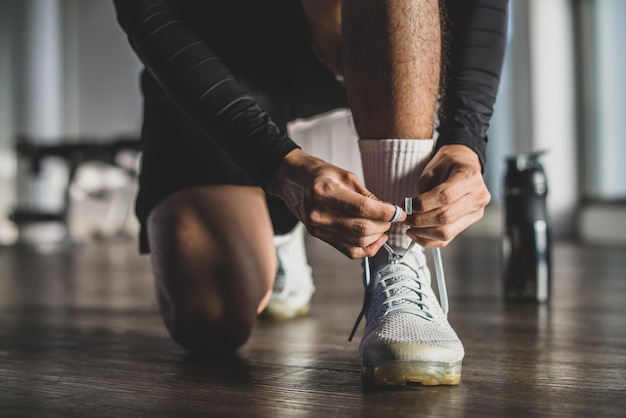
{"type": "Point", "coordinates": [196, 78]}
{"type": "Point", "coordinates": [476, 45]}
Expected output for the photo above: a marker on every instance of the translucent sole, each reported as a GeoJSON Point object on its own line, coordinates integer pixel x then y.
{"type": "Point", "coordinates": [398, 373]}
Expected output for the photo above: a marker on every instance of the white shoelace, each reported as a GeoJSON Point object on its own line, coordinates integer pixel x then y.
{"type": "Point", "coordinates": [393, 280]}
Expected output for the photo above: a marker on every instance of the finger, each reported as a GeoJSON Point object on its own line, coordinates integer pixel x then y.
{"type": "Point", "coordinates": [450, 214]}
{"type": "Point", "coordinates": [343, 224]}
{"type": "Point", "coordinates": [440, 236]}
{"type": "Point", "coordinates": [353, 232]}
{"type": "Point", "coordinates": [344, 240]}
{"type": "Point", "coordinates": [360, 206]}
{"type": "Point", "coordinates": [442, 195]}
{"type": "Point", "coordinates": [399, 216]}
{"type": "Point", "coordinates": [372, 249]}
{"type": "Point", "coordinates": [356, 251]}
{"type": "Point", "coordinates": [368, 251]}
{"type": "Point", "coordinates": [457, 185]}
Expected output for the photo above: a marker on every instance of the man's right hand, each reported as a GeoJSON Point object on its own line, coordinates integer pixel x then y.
{"type": "Point", "coordinates": [333, 204]}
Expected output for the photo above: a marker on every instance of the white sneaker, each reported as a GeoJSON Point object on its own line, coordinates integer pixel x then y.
{"type": "Point", "coordinates": [293, 288]}
{"type": "Point", "coordinates": [407, 337]}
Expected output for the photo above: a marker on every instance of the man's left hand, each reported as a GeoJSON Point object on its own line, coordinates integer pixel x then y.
{"type": "Point", "coordinates": [453, 196]}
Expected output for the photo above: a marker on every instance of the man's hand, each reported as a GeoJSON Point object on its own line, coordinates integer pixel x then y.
{"type": "Point", "coordinates": [453, 196]}
{"type": "Point", "coordinates": [333, 204]}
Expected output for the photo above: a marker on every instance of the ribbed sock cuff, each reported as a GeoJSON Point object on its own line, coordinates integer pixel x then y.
{"type": "Point", "coordinates": [391, 169]}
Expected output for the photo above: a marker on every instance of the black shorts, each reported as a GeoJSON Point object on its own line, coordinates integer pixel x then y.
{"type": "Point", "coordinates": [177, 154]}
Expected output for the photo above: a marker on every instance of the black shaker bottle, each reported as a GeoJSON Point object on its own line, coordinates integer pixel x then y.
{"type": "Point", "coordinates": [526, 242]}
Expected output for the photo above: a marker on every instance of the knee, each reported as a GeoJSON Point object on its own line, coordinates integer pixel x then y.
{"type": "Point", "coordinates": [204, 325]}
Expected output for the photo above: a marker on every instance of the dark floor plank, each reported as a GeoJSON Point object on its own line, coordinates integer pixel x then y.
{"type": "Point", "coordinates": [80, 336]}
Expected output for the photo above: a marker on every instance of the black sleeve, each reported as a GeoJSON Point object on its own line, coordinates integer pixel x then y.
{"type": "Point", "coordinates": [476, 45]}
{"type": "Point", "coordinates": [200, 83]}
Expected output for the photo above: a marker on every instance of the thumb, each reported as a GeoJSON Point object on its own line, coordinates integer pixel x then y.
{"type": "Point", "coordinates": [385, 210]}
{"type": "Point", "coordinates": [389, 212]}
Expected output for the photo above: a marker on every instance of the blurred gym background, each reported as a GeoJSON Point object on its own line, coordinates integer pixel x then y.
{"type": "Point", "coordinates": [70, 117]}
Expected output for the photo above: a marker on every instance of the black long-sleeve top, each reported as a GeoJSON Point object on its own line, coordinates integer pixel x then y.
{"type": "Point", "coordinates": [195, 56]}
{"type": "Point", "coordinates": [478, 36]}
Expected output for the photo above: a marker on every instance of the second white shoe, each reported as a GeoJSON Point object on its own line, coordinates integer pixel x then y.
{"type": "Point", "coordinates": [293, 288]}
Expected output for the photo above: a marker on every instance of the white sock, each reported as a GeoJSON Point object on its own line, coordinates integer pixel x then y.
{"type": "Point", "coordinates": [391, 168]}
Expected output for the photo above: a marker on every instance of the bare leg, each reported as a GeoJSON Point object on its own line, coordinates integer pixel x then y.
{"type": "Point", "coordinates": [214, 263]}
{"type": "Point", "coordinates": [391, 63]}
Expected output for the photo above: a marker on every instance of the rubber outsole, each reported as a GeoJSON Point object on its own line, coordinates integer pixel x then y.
{"type": "Point", "coordinates": [398, 373]}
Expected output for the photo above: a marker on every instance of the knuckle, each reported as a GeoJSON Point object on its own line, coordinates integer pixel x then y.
{"type": "Point", "coordinates": [312, 217]}
{"type": "Point", "coordinates": [361, 207]}
{"type": "Point", "coordinates": [349, 177]}
{"type": "Point", "coordinates": [360, 229]}
{"type": "Point", "coordinates": [445, 234]}
{"type": "Point", "coordinates": [446, 196]}
{"type": "Point", "coordinates": [370, 252]}
{"type": "Point", "coordinates": [318, 191]}
{"type": "Point", "coordinates": [443, 244]}
{"type": "Point", "coordinates": [446, 216]}
{"type": "Point", "coordinates": [486, 197]}
{"type": "Point", "coordinates": [357, 241]}
{"type": "Point", "coordinates": [353, 252]}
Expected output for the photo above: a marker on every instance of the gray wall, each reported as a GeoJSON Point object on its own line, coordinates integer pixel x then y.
{"type": "Point", "coordinates": [100, 76]}
{"type": "Point", "coordinates": [7, 116]}
{"type": "Point", "coordinates": [102, 98]}
{"type": "Point", "coordinates": [102, 72]}
{"type": "Point", "coordinates": [7, 10]}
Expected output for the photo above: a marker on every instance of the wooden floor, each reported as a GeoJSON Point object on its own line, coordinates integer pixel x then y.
{"type": "Point", "coordinates": [80, 336]}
